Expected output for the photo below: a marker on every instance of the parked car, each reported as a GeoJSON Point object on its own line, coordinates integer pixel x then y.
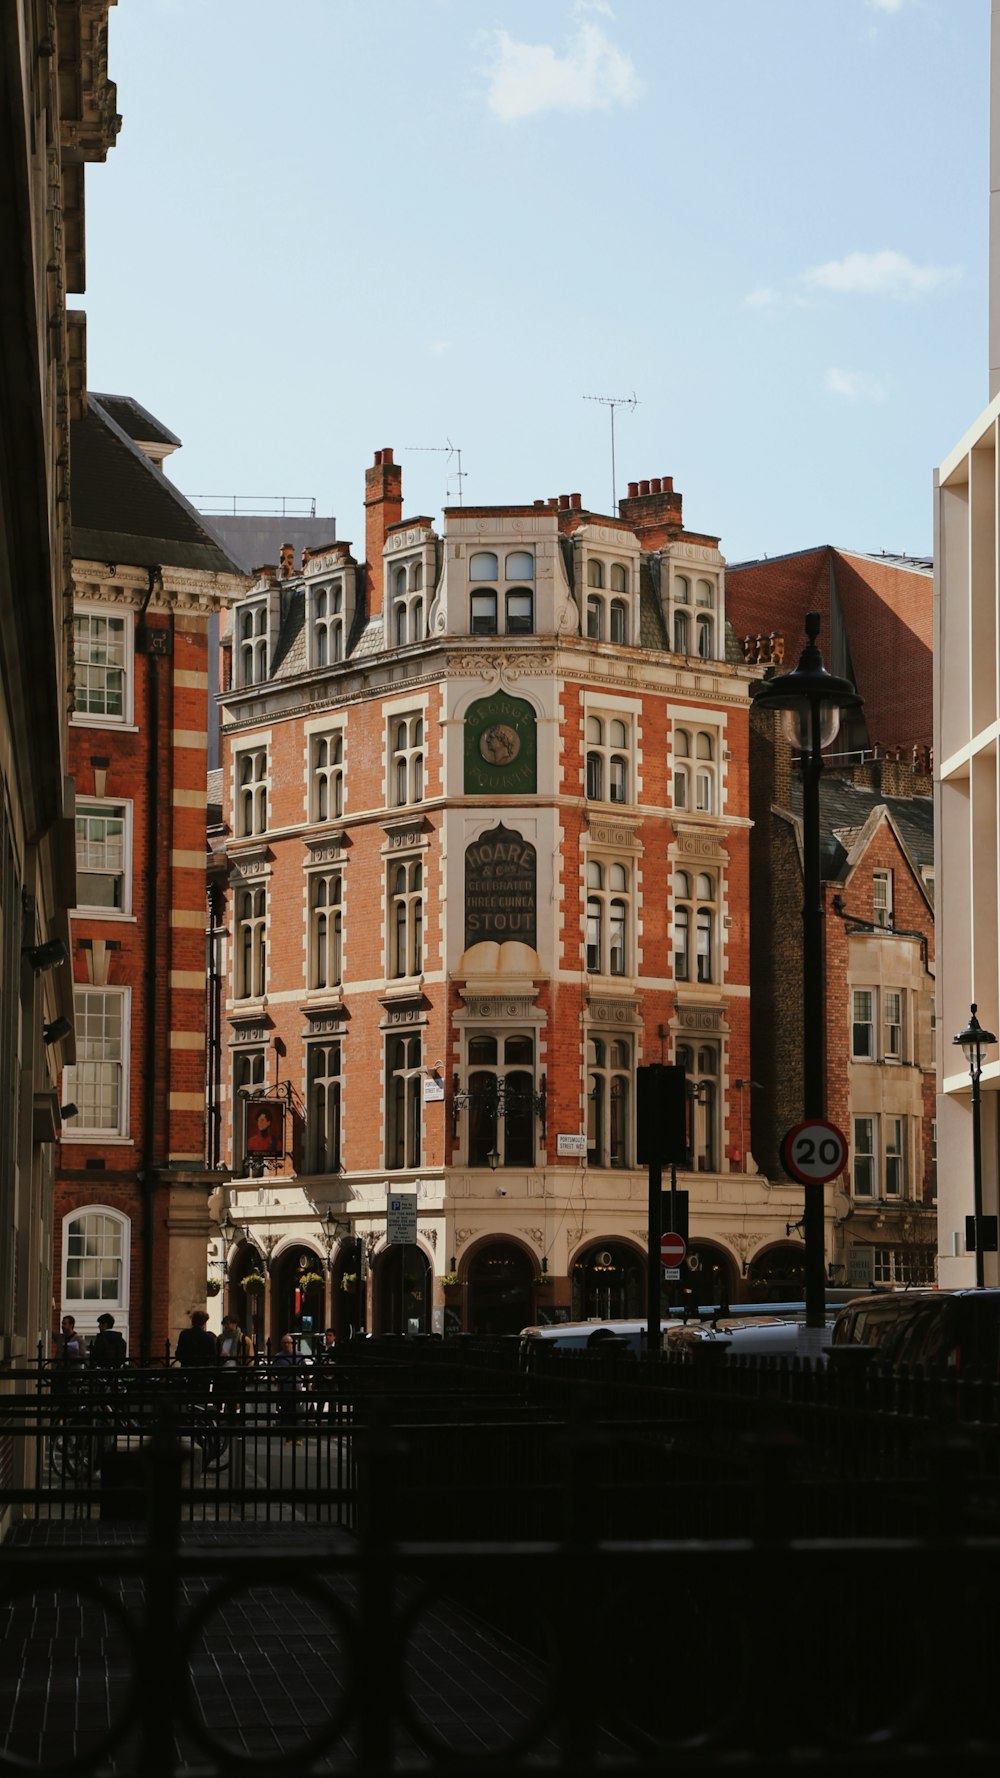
{"type": "Point", "coordinates": [956, 1328]}
{"type": "Point", "coordinates": [764, 1330]}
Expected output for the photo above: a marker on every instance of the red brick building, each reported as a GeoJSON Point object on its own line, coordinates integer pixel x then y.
{"type": "Point", "coordinates": [877, 622]}
{"type": "Point", "coordinates": [483, 849]}
{"type": "Point", "coordinates": [131, 1212]}
{"type": "Point", "coordinates": [877, 850]}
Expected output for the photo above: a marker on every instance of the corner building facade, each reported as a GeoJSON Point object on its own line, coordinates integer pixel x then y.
{"type": "Point", "coordinates": [484, 842]}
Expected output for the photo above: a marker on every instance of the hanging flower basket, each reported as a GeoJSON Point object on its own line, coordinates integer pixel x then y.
{"type": "Point", "coordinates": [449, 1280]}
{"type": "Point", "coordinates": [253, 1281]}
{"type": "Point", "coordinates": [213, 1287]}
{"type": "Point", "coordinates": [307, 1278]}
{"type": "Point", "coordinates": [349, 1281]}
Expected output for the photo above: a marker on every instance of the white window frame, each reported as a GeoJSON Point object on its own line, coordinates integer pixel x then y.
{"type": "Point", "coordinates": [72, 1086]}
{"type": "Point", "coordinates": [405, 921]}
{"type": "Point", "coordinates": [324, 1104]}
{"type": "Point", "coordinates": [870, 1154]}
{"type": "Point", "coordinates": [326, 623]}
{"type": "Point", "coordinates": [252, 985]}
{"type": "Point", "coordinates": [251, 795]}
{"type": "Point", "coordinates": [332, 773]}
{"type": "Point", "coordinates": [604, 753]}
{"type": "Point", "coordinates": [252, 652]}
{"type": "Point", "coordinates": [87, 806]}
{"type": "Point", "coordinates": [325, 940]}
{"type": "Point", "coordinates": [695, 776]}
{"type": "Point", "coordinates": [606, 1078]}
{"type": "Point", "coordinates": [896, 1157]}
{"type": "Point", "coordinates": [882, 899]}
{"type": "Point", "coordinates": [603, 921]}
{"type": "Point", "coordinates": [858, 997]}
{"type": "Point", "coordinates": [98, 718]}
{"type": "Point", "coordinates": [86, 1309]}
{"type": "Point", "coordinates": [704, 1082]}
{"type": "Point", "coordinates": [411, 1074]}
{"type": "Point", "coordinates": [893, 1029]}
{"type": "Point", "coordinates": [407, 761]}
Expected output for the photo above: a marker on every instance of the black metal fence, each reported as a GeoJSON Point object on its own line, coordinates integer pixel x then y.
{"type": "Point", "coordinates": [435, 1561]}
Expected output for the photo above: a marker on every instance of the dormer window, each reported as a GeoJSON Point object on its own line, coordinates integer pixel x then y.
{"type": "Point", "coordinates": [607, 616]}
{"type": "Point", "coordinates": [407, 622]}
{"type": "Point", "coordinates": [692, 617]}
{"type": "Point", "coordinates": [328, 624]}
{"type": "Point", "coordinates": [252, 642]}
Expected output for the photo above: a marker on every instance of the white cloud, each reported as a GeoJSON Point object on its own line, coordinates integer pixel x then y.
{"type": "Point", "coordinates": [593, 75]}
{"type": "Point", "coordinates": [855, 385]}
{"type": "Point", "coordinates": [878, 274]}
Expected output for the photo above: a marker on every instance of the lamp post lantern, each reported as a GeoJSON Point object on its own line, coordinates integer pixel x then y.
{"type": "Point", "coordinates": [811, 702]}
{"type": "Point", "coordinates": [973, 1041]}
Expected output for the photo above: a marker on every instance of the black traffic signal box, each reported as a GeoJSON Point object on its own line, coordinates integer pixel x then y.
{"type": "Point", "coordinates": [661, 1114]}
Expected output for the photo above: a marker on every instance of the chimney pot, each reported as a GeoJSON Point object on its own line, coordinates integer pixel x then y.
{"type": "Point", "coordinates": [386, 454]}
{"type": "Point", "coordinates": [564, 503]}
{"type": "Point", "coordinates": [668, 484]}
{"type": "Point", "coordinates": [644, 487]}
{"type": "Point", "coordinates": [539, 502]}
{"type": "Point", "coordinates": [633, 490]}
{"type": "Point", "coordinates": [575, 502]}
{"type": "Point", "coordinates": [654, 486]}
{"type": "Point", "coordinates": [554, 501]}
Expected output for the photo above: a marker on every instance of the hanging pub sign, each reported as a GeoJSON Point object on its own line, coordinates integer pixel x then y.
{"type": "Point", "coordinates": [263, 1132]}
{"type": "Point", "coordinates": [500, 889]}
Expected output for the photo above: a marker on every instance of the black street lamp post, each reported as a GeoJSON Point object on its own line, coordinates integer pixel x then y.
{"type": "Point", "coordinates": [811, 701]}
{"type": "Point", "coordinates": [974, 1040]}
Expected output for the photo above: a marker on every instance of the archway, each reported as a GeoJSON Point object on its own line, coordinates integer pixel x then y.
{"type": "Point", "coordinates": [402, 1291]}
{"type": "Point", "coordinates": [609, 1280]}
{"type": "Point", "coordinates": [347, 1297]}
{"type": "Point", "coordinates": [778, 1274]}
{"type": "Point", "coordinates": [501, 1276]}
{"type": "Point", "coordinates": [708, 1276]}
{"type": "Point", "coordinates": [298, 1296]}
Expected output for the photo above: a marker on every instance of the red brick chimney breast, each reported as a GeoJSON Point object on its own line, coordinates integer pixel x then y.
{"type": "Point", "coordinates": [383, 507]}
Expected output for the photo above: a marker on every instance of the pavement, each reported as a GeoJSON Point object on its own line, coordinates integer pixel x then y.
{"type": "Point", "coordinates": [269, 1665]}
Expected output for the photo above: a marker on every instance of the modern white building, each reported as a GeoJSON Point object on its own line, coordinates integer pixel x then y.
{"type": "Point", "coordinates": [966, 739]}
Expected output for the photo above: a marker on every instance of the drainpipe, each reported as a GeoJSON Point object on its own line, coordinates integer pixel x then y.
{"type": "Point", "coordinates": [144, 1173]}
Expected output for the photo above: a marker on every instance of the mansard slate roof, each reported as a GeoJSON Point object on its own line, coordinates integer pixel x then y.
{"type": "Point", "coordinates": [136, 420]}
{"type": "Point", "coordinates": [844, 809]}
{"type": "Point", "coordinates": [125, 509]}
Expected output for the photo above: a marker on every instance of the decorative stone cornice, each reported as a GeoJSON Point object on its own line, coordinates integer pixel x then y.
{"type": "Point", "coordinates": [515, 1007]}
{"type": "Point", "coordinates": [405, 833]}
{"type": "Point", "coordinates": [331, 849]}
{"type": "Point", "coordinates": [705, 1019]}
{"type": "Point", "coordinates": [602, 1010]}
{"type": "Point", "coordinates": [253, 862]}
{"type": "Point", "coordinates": [618, 832]}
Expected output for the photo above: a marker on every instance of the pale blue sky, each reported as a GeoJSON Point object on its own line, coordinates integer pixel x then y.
{"type": "Point", "coordinates": [333, 225]}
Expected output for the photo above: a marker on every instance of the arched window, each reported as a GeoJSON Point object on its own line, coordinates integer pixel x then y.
{"type": "Point", "coordinates": [608, 906]}
{"type": "Point", "coordinates": [682, 633]}
{"type": "Point", "coordinates": [484, 613]}
{"type": "Point", "coordinates": [323, 1077]}
{"type": "Point", "coordinates": [682, 590]}
{"type": "Point", "coordinates": [252, 627]}
{"type": "Point", "coordinates": [251, 772]}
{"type": "Point", "coordinates": [483, 565]}
{"type": "Point", "coordinates": [682, 754]}
{"type": "Point", "coordinates": [609, 1069]}
{"type": "Point", "coordinates": [595, 619]}
{"type": "Point", "coordinates": [704, 593]}
{"type": "Point", "coordinates": [95, 1262]}
{"type": "Point", "coordinates": [619, 578]}
{"type": "Point", "coordinates": [704, 779]}
{"type": "Point", "coordinates": [704, 637]}
{"type": "Point", "coordinates": [702, 1069]}
{"type": "Point", "coordinates": [326, 929]}
{"type": "Point", "coordinates": [520, 603]}
{"type": "Point", "coordinates": [520, 565]}
{"type": "Point", "coordinates": [608, 754]}
{"type": "Point", "coordinates": [406, 917]}
{"type": "Point", "coordinates": [249, 944]}
{"type": "Point", "coordinates": [618, 628]}
{"type": "Point", "coordinates": [595, 572]}
{"type": "Point", "coordinates": [403, 1079]}
{"type": "Point", "coordinates": [327, 786]}
{"type": "Point", "coordinates": [694, 912]}
{"type": "Point", "coordinates": [407, 760]}
{"type": "Point", "coordinates": [501, 1120]}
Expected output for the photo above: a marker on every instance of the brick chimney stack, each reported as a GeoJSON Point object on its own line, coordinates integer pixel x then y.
{"type": "Point", "coordinates": [383, 507]}
{"type": "Point", "coordinates": [653, 510]}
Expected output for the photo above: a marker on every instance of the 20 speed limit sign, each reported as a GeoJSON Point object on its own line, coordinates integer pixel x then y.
{"type": "Point", "coordinates": [814, 1152]}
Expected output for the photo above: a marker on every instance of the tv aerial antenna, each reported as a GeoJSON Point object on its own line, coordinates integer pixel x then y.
{"type": "Point", "coordinates": [611, 402]}
{"type": "Point", "coordinates": [455, 475]}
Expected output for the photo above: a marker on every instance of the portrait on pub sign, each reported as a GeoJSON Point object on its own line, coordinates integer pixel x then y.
{"type": "Point", "coordinates": [264, 1129]}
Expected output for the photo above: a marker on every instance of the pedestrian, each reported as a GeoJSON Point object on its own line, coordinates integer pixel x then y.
{"type": "Point", "coordinates": [235, 1355]}
{"type": "Point", "coordinates": [196, 1348]}
{"type": "Point", "coordinates": [289, 1366]}
{"type": "Point", "coordinates": [108, 1348]}
{"type": "Point", "coordinates": [69, 1347]}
